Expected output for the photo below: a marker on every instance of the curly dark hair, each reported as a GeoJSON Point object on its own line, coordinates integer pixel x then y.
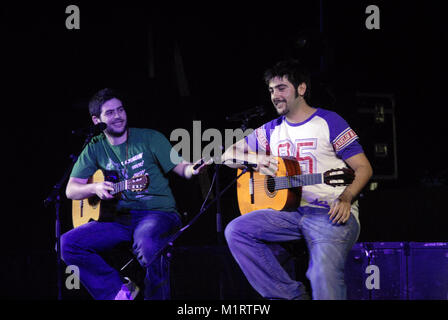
{"type": "Point", "coordinates": [99, 98]}
{"type": "Point", "coordinates": [295, 72]}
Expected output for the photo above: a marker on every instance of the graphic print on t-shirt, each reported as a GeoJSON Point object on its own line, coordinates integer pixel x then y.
{"type": "Point", "coordinates": [320, 143]}
{"type": "Point", "coordinates": [125, 168]}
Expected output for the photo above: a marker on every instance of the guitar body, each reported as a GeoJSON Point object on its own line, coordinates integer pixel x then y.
{"type": "Point", "coordinates": [255, 191]}
{"type": "Point", "coordinates": [93, 208]}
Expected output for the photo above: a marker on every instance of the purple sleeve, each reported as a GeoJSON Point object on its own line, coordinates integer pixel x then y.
{"type": "Point", "coordinates": [342, 137]}
{"type": "Point", "coordinates": [257, 140]}
{"type": "Point", "coordinates": [251, 141]}
{"type": "Point", "coordinates": [260, 138]}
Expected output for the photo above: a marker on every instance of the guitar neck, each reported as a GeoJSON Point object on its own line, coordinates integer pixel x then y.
{"type": "Point", "coordinates": [120, 187]}
{"type": "Point", "coordinates": [296, 181]}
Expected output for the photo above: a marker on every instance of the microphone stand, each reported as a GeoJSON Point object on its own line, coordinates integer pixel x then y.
{"type": "Point", "coordinates": [55, 198]}
{"type": "Point", "coordinates": [244, 117]}
{"type": "Point", "coordinates": [219, 234]}
{"type": "Point", "coordinates": [218, 206]}
{"type": "Point", "coordinates": [170, 241]}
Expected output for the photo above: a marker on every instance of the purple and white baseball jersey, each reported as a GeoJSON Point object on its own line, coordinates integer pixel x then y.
{"type": "Point", "coordinates": [320, 143]}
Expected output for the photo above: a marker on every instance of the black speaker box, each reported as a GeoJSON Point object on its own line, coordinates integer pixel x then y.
{"type": "Point", "coordinates": [428, 271]}
{"type": "Point", "coordinates": [390, 260]}
{"type": "Point", "coordinates": [357, 262]}
{"type": "Point", "coordinates": [407, 271]}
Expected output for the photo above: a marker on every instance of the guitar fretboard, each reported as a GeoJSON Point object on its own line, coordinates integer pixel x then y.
{"type": "Point", "coordinates": [120, 186]}
{"type": "Point", "coordinates": [297, 181]}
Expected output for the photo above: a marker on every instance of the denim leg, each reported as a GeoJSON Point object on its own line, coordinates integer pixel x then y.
{"type": "Point", "coordinates": [248, 237]}
{"type": "Point", "coordinates": [82, 247]}
{"type": "Point", "coordinates": [329, 245]}
{"type": "Point", "coordinates": [151, 233]}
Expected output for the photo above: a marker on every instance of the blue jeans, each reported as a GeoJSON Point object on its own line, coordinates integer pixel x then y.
{"type": "Point", "coordinates": [249, 236]}
{"type": "Point", "coordinates": [148, 232]}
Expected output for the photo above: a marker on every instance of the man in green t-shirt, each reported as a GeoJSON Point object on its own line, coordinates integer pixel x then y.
{"type": "Point", "coordinates": [145, 218]}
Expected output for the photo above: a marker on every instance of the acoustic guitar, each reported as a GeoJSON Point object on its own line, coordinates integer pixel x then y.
{"type": "Point", "coordinates": [93, 208]}
{"type": "Point", "coordinates": [257, 191]}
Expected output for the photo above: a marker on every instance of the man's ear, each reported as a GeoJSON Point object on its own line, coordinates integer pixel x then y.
{"type": "Point", "coordinates": [95, 120]}
{"type": "Point", "coordinates": [301, 89]}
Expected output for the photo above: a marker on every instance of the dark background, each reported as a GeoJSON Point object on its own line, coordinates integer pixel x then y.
{"type": "Point", "coordinates": [50, 72]}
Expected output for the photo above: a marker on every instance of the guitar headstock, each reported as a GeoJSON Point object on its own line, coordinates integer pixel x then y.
{"type": "Point", "coordinates": [339, 177]}
{"type": "Point", "coordinates": [138, 183]}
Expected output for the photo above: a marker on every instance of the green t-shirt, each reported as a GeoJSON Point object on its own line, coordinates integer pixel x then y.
{"type": "Point", "coordinates": [149, 152]}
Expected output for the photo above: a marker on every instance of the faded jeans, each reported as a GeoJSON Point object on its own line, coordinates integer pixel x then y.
{"type": "Point", "coordinates": [249, 236]}
{"type": "Point", "coordinates": [148, 232]}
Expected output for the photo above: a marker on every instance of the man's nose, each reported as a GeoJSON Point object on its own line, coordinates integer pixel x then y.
{"type": "Point", "coordinates": [275, 95]}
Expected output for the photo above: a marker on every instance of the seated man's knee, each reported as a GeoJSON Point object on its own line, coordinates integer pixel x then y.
{"type": "Point", "coordinates": [67, 248]}
{"type": "Point", "coordinates": [324, 272]}
{"type": "Point", "coordinates": [231, 230]}
{"type": "Point", "coordinates": [236, 229]}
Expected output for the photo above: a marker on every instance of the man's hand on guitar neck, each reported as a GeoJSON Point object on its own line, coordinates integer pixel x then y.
{"type": "Point", "coordinates": [102, 190]}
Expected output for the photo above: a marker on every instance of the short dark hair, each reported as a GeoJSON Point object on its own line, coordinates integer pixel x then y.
{"type": "Point", "coordinates": [99, 98]}
{"type": "Point", "coordinates": [295, 72]}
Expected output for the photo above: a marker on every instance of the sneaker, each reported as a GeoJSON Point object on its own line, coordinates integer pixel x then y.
{"type": "Point", "coordinates": [128, 291]}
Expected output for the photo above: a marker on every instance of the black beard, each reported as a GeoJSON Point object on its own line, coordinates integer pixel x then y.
{"type": "Point", "coordinates": [118, 134]}
{"type": "Point", "coordinates": [284, 112]}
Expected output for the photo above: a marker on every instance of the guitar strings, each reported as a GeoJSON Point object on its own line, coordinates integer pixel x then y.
{"type": "Point", "coordinates": [288, 181]}
{"type": "Point", "coordinates": [306, 179]}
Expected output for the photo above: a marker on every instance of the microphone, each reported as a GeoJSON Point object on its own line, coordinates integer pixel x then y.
{"type": "Point", "coordinates": [92, 130]}
{"type": "Point", "coordinates": [210, 161]}
{"type": "Point", "coordinates": [197, 165]}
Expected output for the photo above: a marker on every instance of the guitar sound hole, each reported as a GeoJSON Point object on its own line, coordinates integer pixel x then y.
{"type": "Point", "coordinates": [270, 184]}
{"type": "Point", "coordinates": [93, 201]}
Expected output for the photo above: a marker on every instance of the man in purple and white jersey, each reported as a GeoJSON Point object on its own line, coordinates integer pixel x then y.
{"type": "Point", "coordinates": [327, 218]}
